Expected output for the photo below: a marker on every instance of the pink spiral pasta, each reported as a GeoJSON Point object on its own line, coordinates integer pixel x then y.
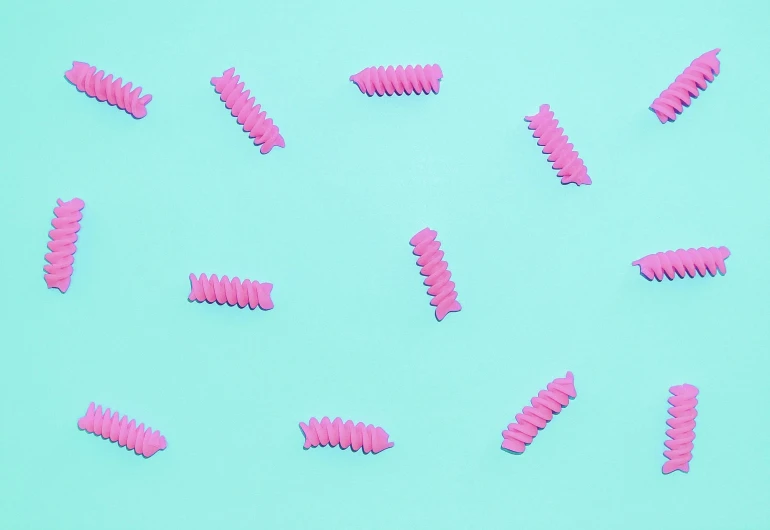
{"type": "Point", "coordinates": [250, 116]}
{"type": "Point", "coordinates": [345, 434]}
{"type": "Point", "coordinates": [88, 80]}
{"type": "Point", "coordinates": [692, 261]}
{"type": "Point", "coordinates": [556, 145]}
{"type": "Point", "coordinates": [679, 452]}
{"type": "Point", "coordinates": [66, 224]}
{"type": "Point", "coordinates": [431, 259]}
{"type": "Point", "coordinates": [529, 422]}
{"type": "Point", "coordinates": [107, 424]}
{"type": "Point", "coordinates": [398, 80]}
{"type": "Point", "coordinates": [672, 101]}
{"type": "Point", "coordinates": [231, 292]}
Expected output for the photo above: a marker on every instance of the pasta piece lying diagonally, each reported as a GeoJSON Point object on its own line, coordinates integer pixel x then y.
{"type": "Point", "coordinates": [250, 115]}
{"type": "Point", "coordinates": [95, 84]}
{"type": "Point", "coordinates": [108, 424]}
{"type": "Point", "coordinates": [686, 86]}
{"type": "Point", "coordinates": [543, 407]}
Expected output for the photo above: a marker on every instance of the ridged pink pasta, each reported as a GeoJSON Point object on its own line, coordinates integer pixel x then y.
{"type": "Point", "coordinates": [88, 80]}
{"type": "Point", "coordinates": [58, 272]}
{"type": "Point", "coordinates": [399, 80]}
{"type": "Point", "coordinates": [692, 261]}
{"type": "Point", "coordinates": [556, 145]}
{"type": "Point", "coordinates": [529, 422]}
{"type": "Point", "coordinates": [672, 101]}
{"type": "Point", "coordinates": [431, 259]}
{"type": "Point", "coordinates": [249, 115]}
{"type": "Point", "coordinates": [679, 452]}
{"type": "Point", "coordinates": [231, 292]}
{"type": "Point", "coordinates": [109, 425]}
{"type": "Point", "coordinates": [345, 434]}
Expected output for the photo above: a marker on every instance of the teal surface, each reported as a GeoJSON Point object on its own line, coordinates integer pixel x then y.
{"type": "Point", "coordinates": [542, 270]}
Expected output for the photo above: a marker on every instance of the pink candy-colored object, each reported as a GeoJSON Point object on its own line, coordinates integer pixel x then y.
{"type": "Point", "coordinates": [692, 261]}
{"type": "Point", "coordinates": [547, 403]}
{"type": "Point", "coordinates": [431, 259]}
{"type": "Point", "coordinates": [143, 441]}
{"type": "Point", "coordinates": [398, 80]}
{"type": "Point", "coordinates": [683, 403]}
{"type": "Point", "coordinates": [253, 119]}
{"type": "Point", "coordinates": [88, 80]}
{"type": "Point", "coordinates": [556, 145]}
{"type": "Point", "coordinates": [231, 292]}
{"type": "Point", "coordinates": [66, 224]}
{"type": "Point", "coordinates": [345, 434]}
{"type": "Point", "coordinates": [672, 101]}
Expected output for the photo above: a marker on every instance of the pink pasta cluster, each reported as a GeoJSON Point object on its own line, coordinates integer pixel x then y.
{"type": "Point", "coordinates": [556, 145]}
{"type": "Point", "coordinates": [232, 292]}
{"type": "Point", "coordinates": [548, 402]}
{"type": "Point", "coordinates": [345, 434]}
{"type": "Point", "coordinates": [439, 279]}
{"type": "Point", "coordinates": [110, 425]}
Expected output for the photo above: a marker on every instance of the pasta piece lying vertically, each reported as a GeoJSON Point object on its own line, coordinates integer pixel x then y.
{"type": "Point", "coordinates": [431, 259]}
{"type": "Point", "coordinates": [679, 452]}
{"type": "Point", "coordinates": [58, 272]}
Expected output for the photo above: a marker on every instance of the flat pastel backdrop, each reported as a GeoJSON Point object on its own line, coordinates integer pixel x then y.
{"type": "Point", "coordinates": [543, 270]}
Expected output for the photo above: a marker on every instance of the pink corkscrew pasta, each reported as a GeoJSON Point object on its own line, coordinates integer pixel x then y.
{"type": "Point", "coordinates": [679, 452]}
{"type": "Point", "coordinates": [231, 292]}
{"type": "Point", "coordinates": [399, 80]}
{"type": "Point", "coordinates": [672, 101]}
{"type": "Point", "coordinates": [556, 145]}
{"type": "Point", "coordinates": [88, 80]}
{"type": "Point", "coordinates": [431, 259]}
{"type": "Point", "coordinates": [345, 434]}
{"type": "Point", "coordinates": [692, 261]}
{"type": "Point", "coordinates": [142, 441]}
{"type": "Point", "coordinates": [58, 272]}
{"type": "Point", "coordinates": [529, 422]}
{"type": "Point", "coordinates": [250, 116]}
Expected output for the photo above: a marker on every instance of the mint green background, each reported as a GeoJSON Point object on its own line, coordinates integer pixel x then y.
{"type": "Point", "coordinates": [543, 270]}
